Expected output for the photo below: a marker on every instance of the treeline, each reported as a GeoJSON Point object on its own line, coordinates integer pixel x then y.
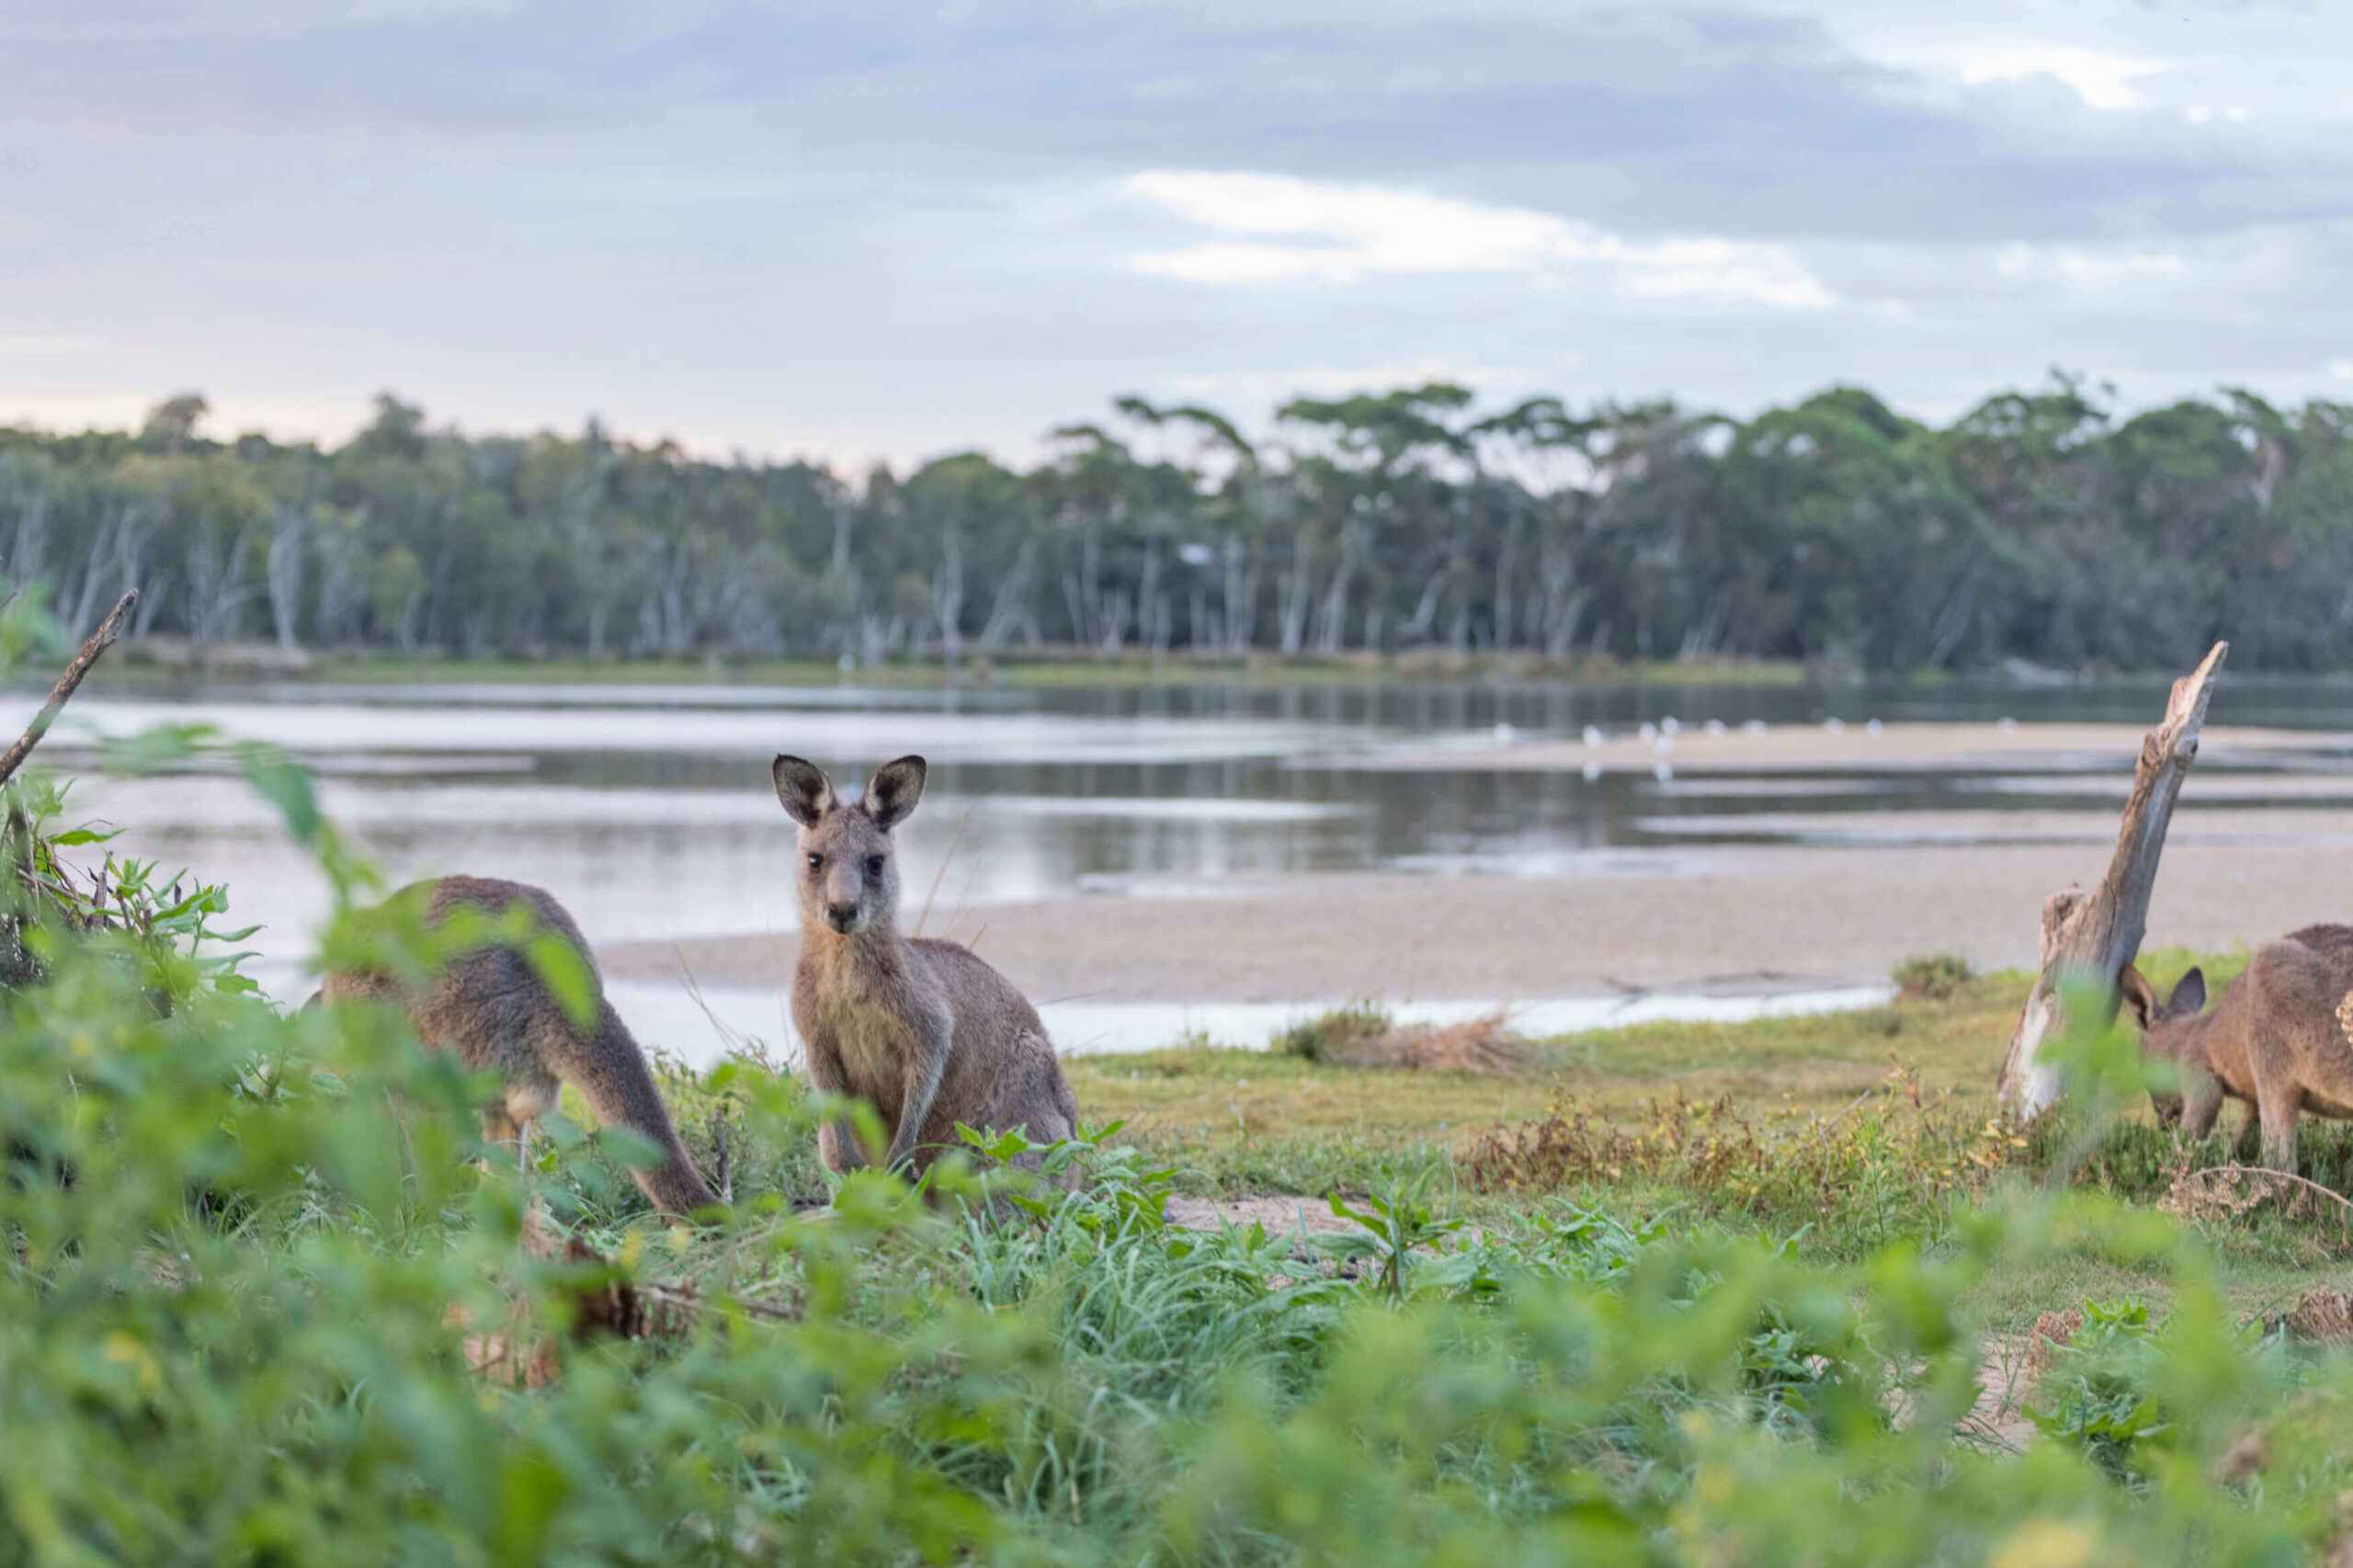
{"type": "Point", "coordinates": [2038, 526]}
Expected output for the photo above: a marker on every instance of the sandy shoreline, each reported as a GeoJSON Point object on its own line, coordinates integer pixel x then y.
{"type": "Point", "coordinates": [1855, 892]}
{"type": "Point", "coordinates": [1851, 748]}
{"type": "Point", "coordinates": [1720, 917]}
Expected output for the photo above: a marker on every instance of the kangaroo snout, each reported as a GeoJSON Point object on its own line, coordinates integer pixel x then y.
{"type": "Point", "coordinates": [842, 916]}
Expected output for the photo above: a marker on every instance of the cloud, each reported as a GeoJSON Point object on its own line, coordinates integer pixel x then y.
{"type": "Point", "coordinates": [1296, 229]}
{"type": "Point", "coordinates": [26, 348]}
{"type": "Point", "coordinates": [2103, 79]}
{"type": "Point", "coordinates": [904, 227]}
{"type": "Point", "coordinates": [1270, 387]}
{"type": "Point", "coordinates": [289, 418]}
{"type": "Point", "coordinates": [22, 231]}
{"type": "Point", "coordinates": [2080, 267]}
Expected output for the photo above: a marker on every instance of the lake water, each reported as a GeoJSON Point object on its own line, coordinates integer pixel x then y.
{"type": "Point", "coordinates": [647, 808]}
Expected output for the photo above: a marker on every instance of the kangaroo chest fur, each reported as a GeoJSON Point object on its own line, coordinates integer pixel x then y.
{"type": "Point", "coordinates": [866, 1008]}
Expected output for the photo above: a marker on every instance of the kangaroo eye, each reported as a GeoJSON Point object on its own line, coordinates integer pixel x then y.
{"type": "Point", "coordinates": [874, 865]}
{"type": "Point", "coordinates": [816, 862]}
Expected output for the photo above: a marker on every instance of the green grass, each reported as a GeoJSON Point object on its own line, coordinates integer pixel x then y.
{"type": "Point", "coordinates": [1232, 1122]}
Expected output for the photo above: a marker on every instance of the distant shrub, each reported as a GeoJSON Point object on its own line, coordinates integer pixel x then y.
{"type": "Point", "coordinates": [1327, 1035]}
{"type": "Point", "coordinates": [1932, 976]}
{"type": "Point", "coordinates": [1365, 1035]}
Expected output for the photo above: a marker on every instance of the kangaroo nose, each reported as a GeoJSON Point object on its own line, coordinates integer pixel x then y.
{"type": "Point", "coordinates": [842, 915]}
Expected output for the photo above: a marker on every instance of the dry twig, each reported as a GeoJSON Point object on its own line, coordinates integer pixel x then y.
{"type": "Point", "coordinates": [100, 641]}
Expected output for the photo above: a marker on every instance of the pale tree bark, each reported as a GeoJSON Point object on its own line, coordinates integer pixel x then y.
{"type": "Point", "coordinates": [32, 540]}
{"type": "Point", "coordinates": [1240, 596]}
{"type": "Point", "coordinates": [2090, 937]}
{"type": "Point", "coordinates": [948, 594]}
{"type": "Point", "coordinates": [289, 532]}
{"type": "Point", "coordinates": [1332, 622]}
{"type": "Point", "coordinates": [1297, 589]}
{"type": "Point", "coordinates": [1012, 597]}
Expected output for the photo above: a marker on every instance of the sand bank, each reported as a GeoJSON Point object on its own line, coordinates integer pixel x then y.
{"type": "Point", "coordinates": [1721, 917]}
{"type": "Point", "coordinates": [1851, 748]}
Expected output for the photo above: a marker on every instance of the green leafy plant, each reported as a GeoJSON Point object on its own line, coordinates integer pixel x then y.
{"type": "Point", "coordinates": [2098, 1395]}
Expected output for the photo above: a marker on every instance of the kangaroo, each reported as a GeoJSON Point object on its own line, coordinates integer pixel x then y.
{"type": "Point", "coordinates": [492, 1008]}
{"type": "Point", "coordinates": [922, 1029]}
{"type": "Point", "coordinates": [2280, 1040]}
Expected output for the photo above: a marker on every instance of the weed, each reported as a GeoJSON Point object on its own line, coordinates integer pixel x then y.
{"type": "Point", "coordinates": [1328, 1036]}
{"type": "Point", "coordinates": [1932, 976]}
{"type": "Point", "coordinates": [1892, 1161]}
{"type": "Point", "coordinates": [2096, 1392]}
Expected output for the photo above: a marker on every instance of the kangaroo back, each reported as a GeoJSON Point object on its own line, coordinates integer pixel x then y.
{"type": "Point", "coordinates": [609, 1070]}
{"type": "Point", "coordinates": [492, 1010]}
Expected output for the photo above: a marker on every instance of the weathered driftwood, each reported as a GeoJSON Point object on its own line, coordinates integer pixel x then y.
{"type": "Point", "coordinates": [2091, 937]}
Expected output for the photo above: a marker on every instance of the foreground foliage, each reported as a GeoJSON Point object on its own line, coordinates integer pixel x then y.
{"type": "Point", "coordinates": [249, 1267]}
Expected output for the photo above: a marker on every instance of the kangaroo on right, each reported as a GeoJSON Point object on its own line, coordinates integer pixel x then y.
{"type": "Point", "coordinates": [2280, 1040]}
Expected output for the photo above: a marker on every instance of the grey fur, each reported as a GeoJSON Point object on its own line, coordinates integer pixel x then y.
{"type": "Point", "coordinates": [2280, 1040]}
{"type": "Point", "coordinates": [491, 1007]}
{"type": "Point", "coordinates": [922, 1029]}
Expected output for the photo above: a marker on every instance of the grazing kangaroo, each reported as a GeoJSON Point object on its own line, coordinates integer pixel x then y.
{"type": "Point", "coordinates": [491, 1007]}
{"type": "Point", "coordinates": [2280, 1039]}
{"type": "Point", "coordinates": [922, 1029]}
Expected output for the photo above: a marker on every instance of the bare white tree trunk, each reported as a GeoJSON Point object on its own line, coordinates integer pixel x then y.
{"type": "Point", "coordinates": [1297, 593]}
{"type": "Point", "coordinates": [24, 559]}
{"type": "Point", "coordinates": [77, 599]}
{"type": "Point", "coordinates": [2091, 937]}
{"type": "Point", "coordinates": [1507, 570]}
{"type": "Point", "coordinates": [288, 529]}
{"type": "Point", "coordinates": [1012, 599]}
{"type": "Point", "coordinates": [217, 590]}
{"type": "Point", "coordinates": [948, 594]}
{"type": "Point", "coordinates": [1332, 624]}
{"type": "Point", "coordinates": [339, 552]}
{"type": "Point", "coordinates": [1148, 592]}
{"type": "Point", "coordinates": [1240, 596]}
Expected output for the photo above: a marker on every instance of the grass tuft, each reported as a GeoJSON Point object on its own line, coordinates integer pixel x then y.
{"type": "Point", "coordinates": [1365, 1035]}
{"type": "Point", "coordinates": [1932, 976]}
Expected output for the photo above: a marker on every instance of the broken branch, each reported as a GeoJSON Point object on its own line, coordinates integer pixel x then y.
{"type": "Point", "coordinates": [100, 641]}
{"type": "Point", "coordinates": [2094, 935]}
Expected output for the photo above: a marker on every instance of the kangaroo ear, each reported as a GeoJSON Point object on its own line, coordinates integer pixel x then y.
{"type": "Point", "coordinates": [2190, 996]}
{"type": "Point", "coordinates": [891, 793]}
{"type": "Point", "coordinates": [804, 787]}
{"type": "Point", "coordinates": [2139, 996]}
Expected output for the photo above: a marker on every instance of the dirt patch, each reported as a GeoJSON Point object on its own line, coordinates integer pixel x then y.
{"type": "Point", "coordinates": [1282, 1213]}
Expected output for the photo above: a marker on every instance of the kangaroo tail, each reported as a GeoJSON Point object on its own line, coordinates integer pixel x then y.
{"type": "Point", "coordinates": [609, 1071]}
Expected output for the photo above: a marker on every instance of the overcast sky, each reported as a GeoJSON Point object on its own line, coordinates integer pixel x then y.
{"type": "Point", "coordinates": [869, 228]}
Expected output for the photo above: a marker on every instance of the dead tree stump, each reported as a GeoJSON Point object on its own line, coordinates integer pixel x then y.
{"type": "Point", "coordinates": [2092, 936]}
